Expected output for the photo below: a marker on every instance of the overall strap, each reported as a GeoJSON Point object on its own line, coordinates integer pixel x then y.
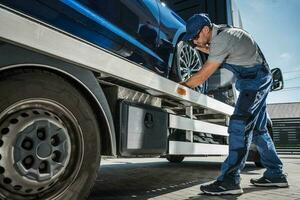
{"type": "Point", "coordinates": [263, 58]}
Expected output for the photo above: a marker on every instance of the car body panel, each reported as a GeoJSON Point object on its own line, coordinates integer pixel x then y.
{"type": "Point", "coordinates": [172, 27]}
{"type": "Point", "coordinates": [135, 29]}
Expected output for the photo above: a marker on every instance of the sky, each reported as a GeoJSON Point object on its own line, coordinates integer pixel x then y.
{"type": "Point", "coordinates": [275, 25]}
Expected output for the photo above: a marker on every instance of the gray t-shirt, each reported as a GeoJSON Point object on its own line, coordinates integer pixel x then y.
{"type": "Point", "coordinates": [233, 46]}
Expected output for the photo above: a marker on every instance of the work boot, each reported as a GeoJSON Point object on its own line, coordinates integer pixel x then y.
{"type": "Point", "coordinates": [220, 188]}
{"type": "Point", "coordinates": [271, 182]}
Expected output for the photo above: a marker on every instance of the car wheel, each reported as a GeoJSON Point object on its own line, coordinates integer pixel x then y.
{"type": "Point", "coordinates": [187, 61]}
{"type": "Point", "coordinates": [175, 158]}
{"type": "Point", "coordinates": [49, 138]}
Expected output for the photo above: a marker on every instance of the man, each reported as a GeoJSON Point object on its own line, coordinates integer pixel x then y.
{"type": "Point", "coordinates": [235, 50]}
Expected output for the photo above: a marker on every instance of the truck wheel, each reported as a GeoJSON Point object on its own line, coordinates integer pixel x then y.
{"type": "Point", "coordinates": [259, 164]}
{"type": "Point", "coordinates": [256, 156]}
{"type": "Point", "coordinates": [256, 159]}
{"type": "Point", "coordinates": [187, 61]}
{"type": "Point", "coordinates": [175, 158]}
{"type": "Point", "coordinates": [49, 138]}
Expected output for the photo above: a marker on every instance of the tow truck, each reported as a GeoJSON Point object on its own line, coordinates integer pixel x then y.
{"type": "Point", "coordinates": [64, 104]}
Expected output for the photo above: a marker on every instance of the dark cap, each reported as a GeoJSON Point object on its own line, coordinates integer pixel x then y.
{"type": "Point", "coordinates": [195, 24]}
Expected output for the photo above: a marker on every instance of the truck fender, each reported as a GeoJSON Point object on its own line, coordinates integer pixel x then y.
{"type": "Point", "coordinates": [12, 56]}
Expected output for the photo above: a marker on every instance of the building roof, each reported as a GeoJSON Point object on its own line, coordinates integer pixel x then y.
{"type": "Point", "coordinates": [284, 110]}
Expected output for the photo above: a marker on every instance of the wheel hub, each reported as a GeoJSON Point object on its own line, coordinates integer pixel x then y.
{"type": "Point", "coordinates": [44, 150]}
{"type": "Point", "coordinates": [41, 148]}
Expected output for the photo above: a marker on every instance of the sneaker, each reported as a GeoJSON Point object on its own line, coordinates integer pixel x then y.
{"type": "Point", "coordinates": [270, 182]}
{"type": "Point", "coordinates": [220, 188]}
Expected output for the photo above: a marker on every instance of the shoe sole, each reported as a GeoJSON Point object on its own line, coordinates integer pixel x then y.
{"type": "Point", "coordinates": [228, 192]}
{"type": "Point", "coordinates": [282, 185]}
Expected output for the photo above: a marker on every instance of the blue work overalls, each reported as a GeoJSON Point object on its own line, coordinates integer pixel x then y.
{"type": "Point", "coordinates": [249, 123]}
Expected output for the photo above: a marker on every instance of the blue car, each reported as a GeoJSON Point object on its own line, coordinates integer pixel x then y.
{"type": "Point", "coordinates": [146, 32]}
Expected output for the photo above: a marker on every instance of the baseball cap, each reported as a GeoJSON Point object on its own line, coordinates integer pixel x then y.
{"type": "Point", "coordinates": [195, 24]}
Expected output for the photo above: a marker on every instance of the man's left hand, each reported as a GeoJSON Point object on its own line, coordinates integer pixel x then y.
{"type": "Point", "coordinates": [203, 74]}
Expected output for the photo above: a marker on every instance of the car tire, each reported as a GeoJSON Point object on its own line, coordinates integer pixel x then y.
{"type": "Point", "coordinates": [187, 61]}
{"type": "Point", "coordinates": [50, 128]}
{"type": "Point", "coordinates": [175, 158]}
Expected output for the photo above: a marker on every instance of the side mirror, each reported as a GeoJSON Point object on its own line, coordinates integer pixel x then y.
{"type": "Point", "coordinates": [277, 79]}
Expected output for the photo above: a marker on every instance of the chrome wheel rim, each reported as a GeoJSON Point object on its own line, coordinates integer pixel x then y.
{"type": "Point", "coordinates": [189, 62]}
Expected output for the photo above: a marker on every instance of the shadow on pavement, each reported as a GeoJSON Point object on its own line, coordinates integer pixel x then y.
{"type": "Point", "coordinates": [152, 179]}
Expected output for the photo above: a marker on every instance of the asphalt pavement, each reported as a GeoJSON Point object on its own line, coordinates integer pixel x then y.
{"type": "Point", "coordinates": [156, 178]}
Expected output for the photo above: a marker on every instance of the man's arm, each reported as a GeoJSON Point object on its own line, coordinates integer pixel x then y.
{"type": "Point", "coordinates": [203, 49]}
{"type": "Point", "coordinates": [202, 75]}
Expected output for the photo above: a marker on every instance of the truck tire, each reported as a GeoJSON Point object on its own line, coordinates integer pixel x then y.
{"type": "Point", "coordinates": [258, 164]}
{"type": "Point", "coordinates": [187, 61]}
{"type": "Point", "coordinates": [175, 158]}
{"type": "Point", "coordinates": [49, 138]}
{"type": "Point", "coordinates": [256, 159]}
